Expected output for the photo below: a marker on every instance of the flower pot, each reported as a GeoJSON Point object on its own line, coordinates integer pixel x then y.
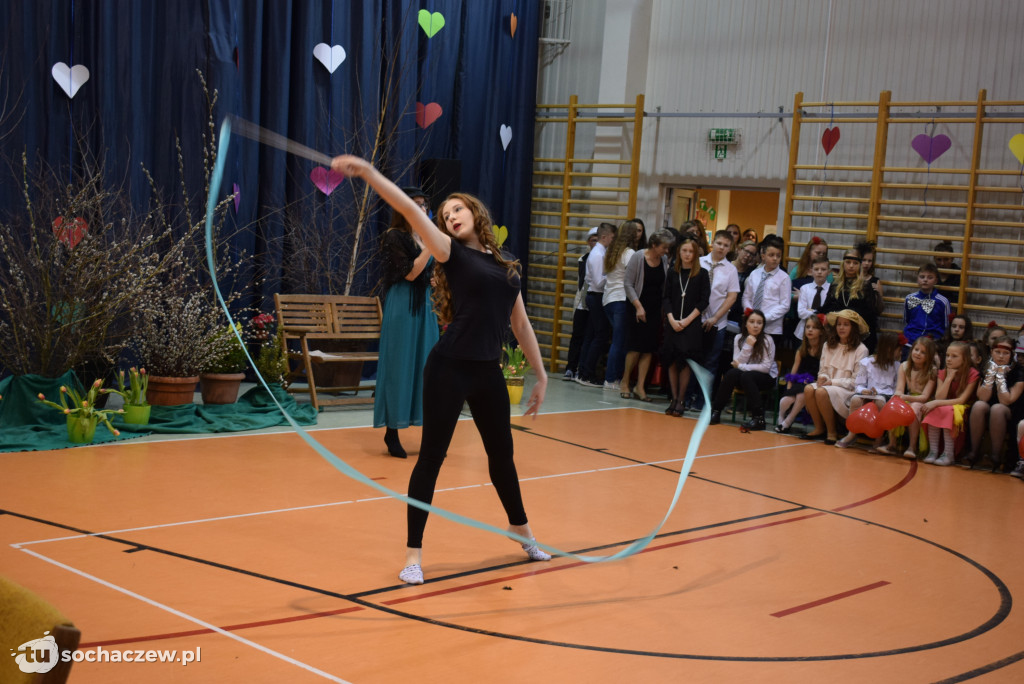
{"type": "Point", "coordinates": [515, 389]}
{"type": "Point", "coordinates": [220, 388]}
{"type": "Point", "coordinates": [81, 429]}
{"type": "Point", "coordinates": [169, 391]}
{"type": "Point", "coordinates": [136, 414]}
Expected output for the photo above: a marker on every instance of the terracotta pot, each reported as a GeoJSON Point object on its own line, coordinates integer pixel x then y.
{"type": "Point", "coordinates": [220, 388]}
{"type": "Point", "coordinates": [515, 389]}
{"type": "Point", "coordinates": [81, 430]}
{"type": "Point", "coordinates": [135, 414]}
{"type": "Point", "coordinates": [169, 391]}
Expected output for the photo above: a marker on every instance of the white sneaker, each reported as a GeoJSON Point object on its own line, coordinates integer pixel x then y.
{"type": "Point", "coordinates": [585, 382]}
{"type": "Point", "coordinates": [569, 375]}
{"type": "Point", "coordinates": [944, 460]}
{"type": "Point", "coordinates": [1019, 470]}
{"type": "Point", "coordinates": [930, 458]}
{"type": "Point", "coordinates": [611, 385]}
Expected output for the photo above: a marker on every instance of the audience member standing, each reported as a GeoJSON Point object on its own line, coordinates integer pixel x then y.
{"type": "Point", "coordinates": [769, 288]}
{"type": "Point", "coordinates": [595, 342]}
{"type": "Point", "coordinates": [580, 312]}
{"type": "Point", "coordinates": [645, 283]}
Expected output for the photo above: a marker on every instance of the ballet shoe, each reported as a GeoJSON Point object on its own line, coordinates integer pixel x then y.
{"type": "Point", "coordinates": [536, 553]}
{"type": "Point", "coordinates": [411, 574]}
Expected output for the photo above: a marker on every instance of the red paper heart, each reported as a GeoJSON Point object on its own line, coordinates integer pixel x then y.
{"type": "Point", "coordinates": [326, 179]}
{"type": "Point", "coordinates": [829, 139]}
{"type": "Point", "coordinates": [865, 421]}
{"type": "Point", "coordinates": [427, 114]}
{"type": "Point", "coordinates": [72, 233]}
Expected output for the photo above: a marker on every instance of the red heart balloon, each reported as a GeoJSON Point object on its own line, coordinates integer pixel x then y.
{"type": "Point", "coordinates": [72, 232]}
{"type": "Point", "coordinates": [896, 413]}
{"type": "Point", "coordinates": [829, 139]}
{"type": "Point", "coordinates": [865, 421]}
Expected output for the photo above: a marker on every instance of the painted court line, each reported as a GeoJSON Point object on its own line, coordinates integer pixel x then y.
{"type": "Point", "coordinates": [384, 498]}
{"type": "Point", "coordinates": [190, 618]}
{"type": "Point", "coordinates": [830, 599]}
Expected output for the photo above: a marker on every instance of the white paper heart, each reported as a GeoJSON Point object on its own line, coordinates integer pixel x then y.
{"type": "Point", "coordinates": [330, 56]}
{"type": "Point", "coordinates": [505, 132]}
{"type": "Point", "coordinates": [69, 79]}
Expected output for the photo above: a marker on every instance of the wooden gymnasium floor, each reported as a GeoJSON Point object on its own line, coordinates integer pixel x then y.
{"type": "Point", "coordinates": [785, 561]}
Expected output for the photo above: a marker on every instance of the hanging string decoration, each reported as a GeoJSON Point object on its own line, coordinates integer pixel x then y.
{"type": "Point", "coordinates": [829, 138]}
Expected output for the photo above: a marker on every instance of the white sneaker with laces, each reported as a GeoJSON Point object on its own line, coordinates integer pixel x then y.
{"type": "Point", "coordinates": [611, 385]}
{"type": "Point", "coordinates": [930, 458]}
{"type": "Point", "coordinates": [944, 460]}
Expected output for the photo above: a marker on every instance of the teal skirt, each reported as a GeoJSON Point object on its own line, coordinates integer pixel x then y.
{"type": "Point", "coordinates": [406, 339]}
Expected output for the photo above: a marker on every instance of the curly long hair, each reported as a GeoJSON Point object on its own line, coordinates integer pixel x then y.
{"type": "Point", "coordinates": [482, 223]}
{"type": "Point", "coordinates": [625, 239]}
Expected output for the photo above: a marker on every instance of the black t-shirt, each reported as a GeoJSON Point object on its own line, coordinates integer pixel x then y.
{"type": "Point", "coordinates": [483, 295]}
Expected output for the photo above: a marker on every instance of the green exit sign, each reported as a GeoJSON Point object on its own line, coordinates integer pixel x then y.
{"type": "Point", "coordinates": [722, 135]}
{"type": "Point", "coordinates": [720, 151]}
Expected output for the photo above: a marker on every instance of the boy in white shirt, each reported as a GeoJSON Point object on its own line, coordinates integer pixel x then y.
{"type": "Point", "coordinates": [769, 289]}
{"type": "Point", "coordinates": [812, 294]}
{"type": "Point", "coordinates": [580, 312]}
{"type": "Point", "coordinates": [725, 288]}
{"type": "Point", "coordinates": [595, 342]}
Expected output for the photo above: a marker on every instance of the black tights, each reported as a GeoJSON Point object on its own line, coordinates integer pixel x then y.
{"type": "Point", "coordinates": [447, 383]}
{"type": "Point", "coordinates": [752, 383]}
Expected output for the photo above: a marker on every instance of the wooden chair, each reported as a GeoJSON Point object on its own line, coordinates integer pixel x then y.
{"type": "Point", "coordinates": [24, 617]}
{"type": "Point", "coordinates": [769, 396]}
{"type": "Point", "coordinates": [321, 330]}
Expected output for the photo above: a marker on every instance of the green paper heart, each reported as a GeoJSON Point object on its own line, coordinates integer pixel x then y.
{"type": "Point", "coordinates": [500, 234]}
{"type": "Point", "coordinates": [431, 23]}
{"type": "Point", "coordinates": [712, 213]}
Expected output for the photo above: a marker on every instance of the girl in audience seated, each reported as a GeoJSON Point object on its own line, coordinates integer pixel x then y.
{"type": "Point", "coordinates": [840, 358]}
{"type": "Point", "coordinates": [753, 369]}
{"type": "Point", "coordinates": [960, 329]}
{"type": "Point", "coordinates": [687, 292]}
{"type": "Point", "coordinates": [915, 384]}
{"type": "Point", "coordinates": [805, 370]}
{"type": "Point", "coordinates": [956, 386]}
{"type": "Point", "coordinates": [876, 380]}
{"type": "Point", "coordinates": [999, 396]}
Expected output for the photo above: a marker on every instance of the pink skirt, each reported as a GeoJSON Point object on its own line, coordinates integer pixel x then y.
{"type": "Point", "coordinates": [941, 417]}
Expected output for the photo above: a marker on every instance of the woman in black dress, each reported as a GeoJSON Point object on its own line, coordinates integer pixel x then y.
{"type": "Point", "coordinates": [687, 293]}
{"type": "Point", "coordinates": [477, 295]}
{"type": "Point", "coordinates": [644, 284]}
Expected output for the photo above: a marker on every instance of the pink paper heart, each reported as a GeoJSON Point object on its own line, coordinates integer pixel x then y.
{"type": "Point", "coordinates": [326, 179]}
{"type": "Point", "coordinates": [829, 139]}
{"type": "Point", "coordinates": [71, 233]}
{"type": "Point", "coordinates": [931, 148]}
{"type": "Point", "coordinates": [237, 191]}
{"type": "Point", "coordinates": [427, 114]}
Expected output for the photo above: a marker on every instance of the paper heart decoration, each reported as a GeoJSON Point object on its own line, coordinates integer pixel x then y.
{"type": "Point", "coordinates": [513, 22]}
{"type": "Point", "coordinates": [931, 148]}
{"type": "Point", "coordinates": [430, 22]}
{"type": "Point", "coordinates": [500, 234]}
{"type": "Point", "coordinates": [70, 232]}
{"type": "Point", "coordinates": [1017, 147]}
{"type": "Point", "coordinates": [331, 56]}
{"type": "Point", "coordinates": [505, 133]}
{"type": "Point", "coordinates": [427, 114]}
{"type": "Point", "coordinates": [69, 79]}
{"type": "Point", "coordinates": [237, 192]}
{"type": "Point", "coordinates": [829, 139]}
{"type": "Point", "coordinates": [326, 179]}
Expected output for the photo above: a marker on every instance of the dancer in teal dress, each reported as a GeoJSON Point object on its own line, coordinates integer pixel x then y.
{"type": "Point", "coordinates": [409, 329]}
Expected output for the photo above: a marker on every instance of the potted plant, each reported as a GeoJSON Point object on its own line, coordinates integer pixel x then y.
{"type": "Point", "coordinates": [220, 381]}
{"type": "Point", "coordinates": [136, 408]}
{"type": "Point", "coordinates": [82, 414]}
{"type": "Point", "coordinates": [514, 368]}
{"type": "Point", "coordinates": [271, 360]}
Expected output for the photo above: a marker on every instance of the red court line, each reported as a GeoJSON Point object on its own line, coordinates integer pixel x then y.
{"type": "Point", "coordinates": [830, 599]}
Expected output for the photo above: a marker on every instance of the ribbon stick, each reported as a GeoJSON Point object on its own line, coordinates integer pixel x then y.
{"type": "Point", "coordinates": [262, 135]}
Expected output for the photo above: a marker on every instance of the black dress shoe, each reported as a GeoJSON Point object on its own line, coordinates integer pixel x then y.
{"type": "Point", "coordinates": [755, 423]}
{"type": "Point", "coordinates": [808, 435]}
{"type": "Point", "coordinates": [829, 442]}
{"type": "Point", "coordinates": [716, 417]}
{"type": "Point", "coordinates": [783, 430]}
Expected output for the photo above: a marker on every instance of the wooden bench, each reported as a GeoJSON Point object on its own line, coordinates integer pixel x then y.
{"type": "Point", "coordinates": [309, 323]}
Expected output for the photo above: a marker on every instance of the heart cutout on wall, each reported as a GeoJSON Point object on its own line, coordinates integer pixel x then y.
{"type": "Point", "coordinates": [931, 147]}
{"type": "Point", "coordinates": [829, 139]}
{"type": "Point", "coordinates": [70, 79]}
{"type": "Point", "coordinates": [505, 133]}
{"type": "Point", "coordinates": [430, 22]}
{"type": "Point", "coordinates": [70, 232]}
{"type": "Point", "coordinates": [237, 192]}
{"type": "Point", "coordinates": [513, 23]}
{"type": "Point", "coordinates": [500, 234]}
{"type": "Point", "coordinates": [427, 114]}
{"type": "Point", "coordinates": [331, 56]}
{"type": "Point", "coordinates": [326, 180]}
{"type": "Point", "coordinates": [1017, 147]}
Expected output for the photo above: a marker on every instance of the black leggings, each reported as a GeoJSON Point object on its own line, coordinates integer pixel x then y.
{"type": "Point", "coordinates": [447, 383]}
{"type": "Point", "coordinates": [752, 383]}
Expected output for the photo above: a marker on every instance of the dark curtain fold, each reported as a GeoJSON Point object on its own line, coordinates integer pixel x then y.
{"type": "Point", "coordinates": [144, 92]}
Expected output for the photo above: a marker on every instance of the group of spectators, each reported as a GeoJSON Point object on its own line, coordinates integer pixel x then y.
{"type": "Point", "coordinates": [728, 306]}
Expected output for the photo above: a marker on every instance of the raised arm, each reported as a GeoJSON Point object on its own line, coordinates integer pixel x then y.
{"type": "Point", "coordinates": [439, 244]}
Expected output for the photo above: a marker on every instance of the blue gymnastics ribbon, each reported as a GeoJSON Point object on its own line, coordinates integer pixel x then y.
{"type": "Point", "coordinates": [703, 378]}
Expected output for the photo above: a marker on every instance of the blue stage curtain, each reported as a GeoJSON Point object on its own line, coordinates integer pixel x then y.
{"type": "Point", "coordinates": [144, 91]}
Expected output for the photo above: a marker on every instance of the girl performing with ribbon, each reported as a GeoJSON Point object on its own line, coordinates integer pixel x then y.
{"type": "Point", "coordinates": [477, 296]}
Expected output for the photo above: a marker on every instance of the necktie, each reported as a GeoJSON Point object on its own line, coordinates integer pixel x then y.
{"type": "Point", "coordinates": [816, 302]}
{"type": "Point", "coordinates": [759, 292]}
